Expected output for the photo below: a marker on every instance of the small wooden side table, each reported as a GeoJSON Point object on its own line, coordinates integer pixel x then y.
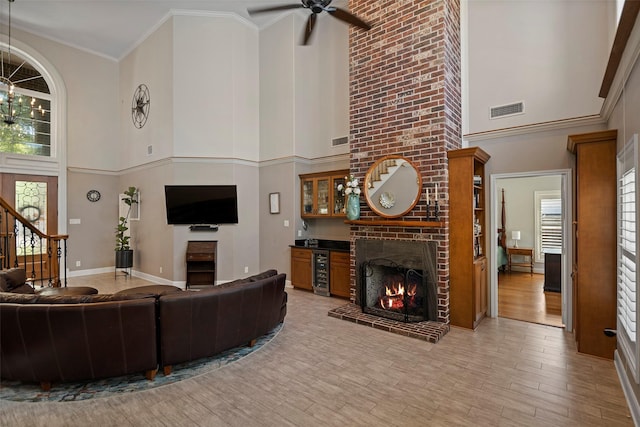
{"type": "Point", "coordinates": [201, 263]}
{"type": "Point", "coordinates": [527, 252]}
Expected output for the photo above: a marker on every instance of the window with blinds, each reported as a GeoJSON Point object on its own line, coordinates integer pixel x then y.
{"type": "Point", "coordinates": [627, 274]}
{"type": "Point", "coordinates": [548, 223]}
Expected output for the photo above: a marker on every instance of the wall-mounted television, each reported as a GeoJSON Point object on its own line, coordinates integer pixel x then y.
{"type": "Point", "coordinates": [201, 204]}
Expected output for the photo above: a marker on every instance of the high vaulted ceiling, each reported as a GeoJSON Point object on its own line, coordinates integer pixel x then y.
{"type": "Point", "coordinates": [112, 28]}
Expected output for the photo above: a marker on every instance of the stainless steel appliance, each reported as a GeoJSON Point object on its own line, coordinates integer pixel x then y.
{"type": "Point", "coordinates": [321, 272]}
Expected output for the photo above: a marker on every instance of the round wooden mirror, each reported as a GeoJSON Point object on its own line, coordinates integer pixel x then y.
{"type": "Point", "coordinates": [392, 186]}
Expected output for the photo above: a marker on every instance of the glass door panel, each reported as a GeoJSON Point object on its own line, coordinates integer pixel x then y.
{"type": "Point", "coordinates": [31, 203]}
{"type": "Point", "coordinates": [338, 196]}
{"type": "Point", "coordinates": [307, 197]}
{"type": "Point", "coordinates": [323, 197]}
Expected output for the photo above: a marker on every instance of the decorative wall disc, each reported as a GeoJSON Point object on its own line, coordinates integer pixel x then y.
{"type": "Point", "coordinates": [140, 106]}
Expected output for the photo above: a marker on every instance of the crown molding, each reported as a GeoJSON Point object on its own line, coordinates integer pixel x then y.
{"type": "Point", "coordinates": [591, 120]}
{"type": "Point", "coordinates": [214, 160]}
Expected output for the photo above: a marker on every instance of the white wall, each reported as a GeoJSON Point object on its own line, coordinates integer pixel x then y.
{"type": "Point", "coordinates": [549, 54]}
{"type": "Point", "coordinates": [215, 87]}
{"type": "Point", "coordinates": [304, 90]}
{"type": "Point", "coordinates": [151, 63]}
{"type": "Point", "coordinates": [520, 209]}
{"type": "Point", "coordinates": [321, 88]}
{"type": "Point", "coordinates": [276, 71]}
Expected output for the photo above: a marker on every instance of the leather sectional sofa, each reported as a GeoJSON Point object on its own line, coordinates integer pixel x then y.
{"type": "Point", "coordinates": [46, 339]}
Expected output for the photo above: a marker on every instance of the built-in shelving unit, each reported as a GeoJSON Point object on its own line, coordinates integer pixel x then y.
{"type": "Point", "coordinates": [468, 262]}
{"type": "Point", "coordinates": [319, 194]}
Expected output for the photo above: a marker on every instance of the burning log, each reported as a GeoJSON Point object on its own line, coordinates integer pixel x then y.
{"type": "Point", "coordinates": [395, 298]}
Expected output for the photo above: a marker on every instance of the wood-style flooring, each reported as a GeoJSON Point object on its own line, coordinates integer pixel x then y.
{"type": "Point", "coordinates": [322, 371]}
{"type": "Point", "coordinates": [521, 296]}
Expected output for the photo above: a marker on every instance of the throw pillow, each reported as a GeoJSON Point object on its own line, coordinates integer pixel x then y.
{"type": "Point", "coordinates": [14, 278]}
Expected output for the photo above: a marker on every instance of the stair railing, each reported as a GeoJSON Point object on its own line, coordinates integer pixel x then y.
{"type": "Point", "coordinates": [22, 245]}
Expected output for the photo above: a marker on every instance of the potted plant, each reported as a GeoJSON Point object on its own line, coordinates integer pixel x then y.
{"type": "Point", "coordinates": [124, 253]}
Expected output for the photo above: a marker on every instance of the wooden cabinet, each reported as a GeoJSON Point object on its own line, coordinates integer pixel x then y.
{"type": "Point", "coordinates": [468, 264]}
{"type": "Point", "coordinates": [319, 194]}
{"type": "Point", "coordinates": [339, 271]}
{"type": "Point", "coordinates": [339, 274]}
{"type": "Point", "coordinates": [301, 268]}
{"type": "Point", "coordinates": [480, 288]}
{"type": "Point", "coordinates": [201, 263]}
{"type": "Point", "coordinates": [552, 272]}
{"type": "Point", "coordinates": [594, 240]}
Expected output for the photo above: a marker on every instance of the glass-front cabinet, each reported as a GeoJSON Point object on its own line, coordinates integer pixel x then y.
{"type": "Point", "coordinates": [321, 196]}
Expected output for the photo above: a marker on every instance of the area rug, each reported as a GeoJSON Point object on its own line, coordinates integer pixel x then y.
{"type": "Point", "coordinates": [70, 392]}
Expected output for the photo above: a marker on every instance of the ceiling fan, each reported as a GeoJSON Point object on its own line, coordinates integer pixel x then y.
{"type": "Point", "coordinates": [316, 7]}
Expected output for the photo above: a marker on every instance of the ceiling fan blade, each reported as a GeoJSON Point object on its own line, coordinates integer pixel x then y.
{"type": "Point", "coordinates": [274, 8]}
{"type": "Point", "coordinates": [345, 16]}
{"type": "Point", "coordinates": [311, 22]}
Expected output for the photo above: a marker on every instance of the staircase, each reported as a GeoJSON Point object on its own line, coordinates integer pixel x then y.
{"type": "Point", "coordinates": [380, 173]}
{"type": "Point", "coordinates": [22, 245]}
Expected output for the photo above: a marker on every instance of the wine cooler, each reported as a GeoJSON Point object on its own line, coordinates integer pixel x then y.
{"type": "Point", "coordinates": [321, 272]}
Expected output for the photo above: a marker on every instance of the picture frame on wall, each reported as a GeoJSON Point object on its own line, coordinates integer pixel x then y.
{"type": "Point", "coordinates": [274, 203]}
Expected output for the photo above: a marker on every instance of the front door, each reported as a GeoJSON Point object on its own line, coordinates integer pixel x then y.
{"type": "Point", "coordinates": [35, 197]}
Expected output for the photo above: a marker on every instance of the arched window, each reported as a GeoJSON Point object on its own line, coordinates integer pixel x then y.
{"type": "Point", "coordinates": [25, 107]}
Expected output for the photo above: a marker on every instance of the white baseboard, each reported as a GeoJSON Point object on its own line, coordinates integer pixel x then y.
{"type": "Point", "coordinates": [80, 273]}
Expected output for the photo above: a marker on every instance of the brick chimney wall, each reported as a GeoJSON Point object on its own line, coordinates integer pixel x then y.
{"type": "Point", "coordinates": [405, 100]}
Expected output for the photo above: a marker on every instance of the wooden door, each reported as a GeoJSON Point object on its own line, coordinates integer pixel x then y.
{"type": "Point", "coordinates": [35, 197]}
{"type": "Point", "coordinates": [595, 240]}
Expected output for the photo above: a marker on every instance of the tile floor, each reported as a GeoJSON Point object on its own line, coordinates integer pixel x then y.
{"type": "Point", "coordinates": [322, 371]}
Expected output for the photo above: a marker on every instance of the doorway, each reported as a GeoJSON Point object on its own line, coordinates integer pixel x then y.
{"type": "Point", "coordinates": [35, 197]}
{"type": "Point", "coordinates": [530, 212]}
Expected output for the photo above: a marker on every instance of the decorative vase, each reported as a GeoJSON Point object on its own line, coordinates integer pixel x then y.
{"type": "Point", "coordinates": [353, 207]}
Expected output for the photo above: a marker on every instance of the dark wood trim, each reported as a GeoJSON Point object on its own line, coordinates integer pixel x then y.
{"type": "Point", "coordinates": [627, 21]}
{"type": "Point", "coordinates": [392, 223]}
{"type": "Point", "coordinates": [574, 140]}
{"type": "Point", "coordinates": [477, 153]}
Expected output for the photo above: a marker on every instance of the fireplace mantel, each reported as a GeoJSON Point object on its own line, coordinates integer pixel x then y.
{"type": "Point", "coordinates": [395, 223]}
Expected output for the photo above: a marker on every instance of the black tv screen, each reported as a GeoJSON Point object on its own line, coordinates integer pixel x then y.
{"type": "Point", "coordinates": [201, 204]}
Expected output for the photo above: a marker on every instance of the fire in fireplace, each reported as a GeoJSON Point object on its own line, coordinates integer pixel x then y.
{"type": "Point", "coordinates": [394, 291]}
{"type": "Point", "coordinates": [396, 279]}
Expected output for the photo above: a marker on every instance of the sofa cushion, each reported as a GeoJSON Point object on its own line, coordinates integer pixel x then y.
{"type": "Point", "coordinates": [263, 275]}
{"type": "Point", "coordinates": [15, 298]}
{"type": "Point", "coordinates": [250, 279]}
{"type": "Point", "coordinates": [12, 279]}
{"type": "Point", "coordinates": [23, 289]}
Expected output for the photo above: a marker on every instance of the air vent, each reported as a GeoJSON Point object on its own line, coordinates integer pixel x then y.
{"type": "Point", "coordinates": [339, 141]}
{"type": "Point", "coordinates": [506, 110]}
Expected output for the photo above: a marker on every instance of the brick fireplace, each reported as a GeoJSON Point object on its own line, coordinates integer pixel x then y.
{"type": "Point", "coordinates": [405, 100]}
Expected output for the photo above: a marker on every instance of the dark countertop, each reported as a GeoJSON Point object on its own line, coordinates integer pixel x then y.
{"type": "Point", "coordinates": [331, 245]}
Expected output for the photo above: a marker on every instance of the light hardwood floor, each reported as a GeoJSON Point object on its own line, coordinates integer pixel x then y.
{"type": "Point", "coordinates": [321, 371]}
{"type": "Point", "coordinates": [521, 296]}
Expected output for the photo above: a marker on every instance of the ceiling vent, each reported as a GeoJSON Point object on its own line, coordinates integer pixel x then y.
{"type": "Point", "coordinates": [339, 141]}
{"type": "Point", "coordinates": [506, 110]}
